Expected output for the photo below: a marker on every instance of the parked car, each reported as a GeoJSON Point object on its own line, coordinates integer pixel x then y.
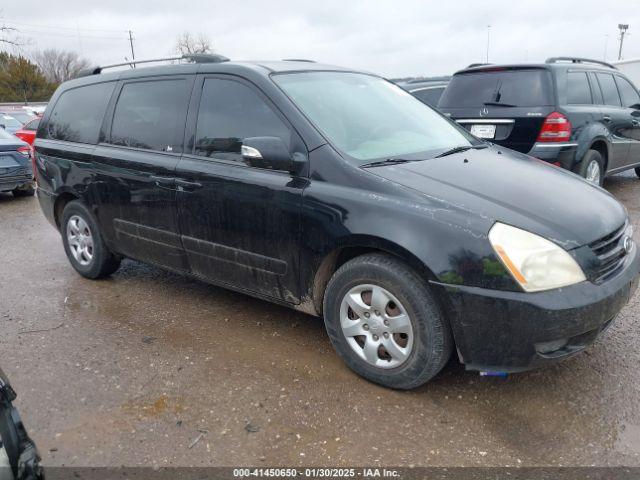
{"type": "Point", "coordinates": [427, 90]}
{"type": "Point", "coordinates": [335, 193]}
{"type": "Point", "coordinates": [580, 114]}
{"type": "Point", "coordinates": [28, 131]}
{"type": "Point", "coordinates": [9, 123]}
{"type": "Point", "coordinates": [16, 171]}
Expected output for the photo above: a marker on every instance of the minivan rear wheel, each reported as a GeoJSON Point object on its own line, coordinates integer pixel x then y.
{"type": "Point", "coordinates": [591, 168]}
{"type": "Point", "coordinates": [83, 243]}
{"type": "Point", "coordinates": [384, 322]}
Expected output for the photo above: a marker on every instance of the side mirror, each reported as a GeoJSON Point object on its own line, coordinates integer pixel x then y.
{"type": "Point", "coordinates": [268, 152]}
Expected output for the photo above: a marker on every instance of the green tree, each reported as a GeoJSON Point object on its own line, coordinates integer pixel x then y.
{"type": "Point", "coordinates": [22, 81]}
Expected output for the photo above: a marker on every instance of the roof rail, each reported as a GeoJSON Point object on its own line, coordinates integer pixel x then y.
{"type": "Point", "coordinates": [298, 60]}
{"type": "Point", "coordinates": [192, 57]}
{"type": "Point", "coordinates": [473, 65]}
{"type": "Point", "coordinates": [577, 60]}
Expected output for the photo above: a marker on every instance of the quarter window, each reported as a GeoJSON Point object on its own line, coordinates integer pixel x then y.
{"type": "Point", "coordinates": [629, 94]}
{"type": "Point", "coordinates": [609, 89]}
{"type": "Point", "coordinates": [78, 113]}
{"type": "Point", "coordinates": [150, 115]}
{"type": "Point", "coordinates": [230, 112]}
{"type": "Point", "coordinates": [578, 91]}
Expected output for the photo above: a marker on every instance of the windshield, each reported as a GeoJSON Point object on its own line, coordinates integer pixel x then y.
{"type": "Point", "coordinates": [368, 118]}
{"type": "Point", "coordinates": [511, 88]}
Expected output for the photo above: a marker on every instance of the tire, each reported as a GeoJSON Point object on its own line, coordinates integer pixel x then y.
{"type": "Point", "coordinates": [592, 157]}
{"type": "Point", "coordinates": [637, 170]}
{"type": "Point", "coordinates": [96, 261]}
{"type": "Point", "coordinates": [24, 191]}
{"type": "Point", "coordinates": [426, 349]}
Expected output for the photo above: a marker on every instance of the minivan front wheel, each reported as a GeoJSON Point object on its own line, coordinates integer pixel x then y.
{"type": "Point", "coordinates": [591, 168]}
{"type": "Point", "coordinates": [384, 322]}
{"type": "Point", "coordinates": [83, 243]}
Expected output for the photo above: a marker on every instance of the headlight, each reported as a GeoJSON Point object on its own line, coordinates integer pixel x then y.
{"type": "Point", "coordinates": [534, 262]}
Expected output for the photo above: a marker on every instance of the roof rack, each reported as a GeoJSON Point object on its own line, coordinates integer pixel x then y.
{"type": "Point", "coordinates": [577, 60]}
{"type": "Point", "coordinates": [193, 57]}
{"type": "Point", "coordinates": [298, 60]}
{"type": "Point", "coordinates": [473, 65]}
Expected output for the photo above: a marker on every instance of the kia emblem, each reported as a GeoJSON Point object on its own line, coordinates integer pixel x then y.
{"type": "Point", "coordinates": [627, 243]}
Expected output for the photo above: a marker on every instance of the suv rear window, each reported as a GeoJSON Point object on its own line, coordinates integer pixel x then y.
{"type": "Point", "coordinates": [77, 115]}
{"type": "Point", "coordinates": [521, 88]}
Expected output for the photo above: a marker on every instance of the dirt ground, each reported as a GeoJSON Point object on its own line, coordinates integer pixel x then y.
{"type": "Point", "coordinates": [151, 368]}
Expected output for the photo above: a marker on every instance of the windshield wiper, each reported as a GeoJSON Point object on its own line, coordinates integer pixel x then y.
{"type": "Point", "coordinates": [388, 161]}
{"type": "Point", "coordinates": [461, 148]}
{"type": "Point", "coordinates": [499, 104]}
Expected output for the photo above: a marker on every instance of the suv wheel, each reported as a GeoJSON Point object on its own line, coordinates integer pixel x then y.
{"type": "Point", "coordinates": [591, 167]}
{"type": "Point", "coordinates": [83, 243]}
{"type": "Point", "coordinates": [384, 322]}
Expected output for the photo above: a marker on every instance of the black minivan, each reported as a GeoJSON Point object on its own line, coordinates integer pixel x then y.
{"type": "Point", "coordinates": [336, 193]}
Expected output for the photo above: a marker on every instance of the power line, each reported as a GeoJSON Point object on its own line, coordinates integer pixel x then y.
{"type": "Point", "coordinates": [70, 35]}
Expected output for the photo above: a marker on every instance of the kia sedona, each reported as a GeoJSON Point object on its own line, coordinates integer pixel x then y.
{"type": "Point", "coordinates": [579, 114]}
{"type": "Point", "coordinates": [338, 194]}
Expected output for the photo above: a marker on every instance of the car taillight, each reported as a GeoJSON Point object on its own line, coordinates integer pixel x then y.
{"type": "Point", "coordinates": [28, 151]}
{"type": "Point", "coordinates": [556, 128]}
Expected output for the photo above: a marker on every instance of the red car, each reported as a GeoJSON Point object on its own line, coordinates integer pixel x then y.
{"type": "Point", "coordinates": [28, 131]}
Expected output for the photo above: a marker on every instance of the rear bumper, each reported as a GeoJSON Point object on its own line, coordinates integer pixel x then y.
{"type": "Point", "coordinates": [11, 183]}
{"type": "Point", "coordinates": [516, 331]}
{"type": "Point", "coordinates": [563, 154]}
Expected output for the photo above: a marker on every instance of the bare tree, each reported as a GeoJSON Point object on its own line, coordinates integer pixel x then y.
{"type": "Point", "coordinates": [187, 44]}
{"type": "Point", "coordinates": [57, 65]}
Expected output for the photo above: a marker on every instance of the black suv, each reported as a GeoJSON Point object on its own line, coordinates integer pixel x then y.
{"type": "Point", "coordinates": [336, 193]}
{"type": "Point", "coordinates": [580, 114]}
{"type": "Point", "coordinates": [428, 90]}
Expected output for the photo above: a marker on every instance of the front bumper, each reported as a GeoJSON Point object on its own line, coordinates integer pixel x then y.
{"type": "Point", "coordinates": [516, 331]}
{"type": "Point", "coordinates": [561, 154]}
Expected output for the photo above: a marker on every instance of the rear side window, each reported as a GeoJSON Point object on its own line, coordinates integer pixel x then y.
{"type": "Point", "coordinates": [430, 96]}
{"type": "Point", "coordinates": [609, 89]}
{"type": "Point", "coordinates": [578, 90]}
{"type": "Point", "coordinates": [521, 88]}
{"type": "Point", "coordinates": [230, 112]}
{"type": "Point", "coordinates": [78, 113]}
{"type": "Point", "coordinates": [629, 94]}
{"type": "Point", "coordinates": [32, 125]}
{"type": "Point", "coordinates": [150, 115]}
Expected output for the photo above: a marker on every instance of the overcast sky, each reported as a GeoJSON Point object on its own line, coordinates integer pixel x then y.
{"type": "Point", "coordinates": [392, 38]}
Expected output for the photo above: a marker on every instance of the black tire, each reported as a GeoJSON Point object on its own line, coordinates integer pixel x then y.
{"type": "Point", "coordinates": [432, 342]}
{"type": "Point", "coordinates": [583, 167]}
{"type": "Point", "coordinates": [103, 263]}
{"type": "Point", "coordinates": [637, 170]}
{"type": "Point", "coordinates": [24, 191]}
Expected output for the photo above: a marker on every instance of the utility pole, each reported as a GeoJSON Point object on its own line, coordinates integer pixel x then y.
{"type": "Point", "coordinates": [488, 36]}
{"type": "Point", "coordinates": [133, 55]}
{"type": "Point", "coordinates": [623, 29]}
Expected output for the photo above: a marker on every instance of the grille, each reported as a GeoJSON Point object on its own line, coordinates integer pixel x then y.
{"type": "Point", "coordinates": [610, 252]}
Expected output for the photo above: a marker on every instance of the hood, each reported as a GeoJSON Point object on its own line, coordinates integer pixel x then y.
{"type": "Point", "coordinates": [502, 185]}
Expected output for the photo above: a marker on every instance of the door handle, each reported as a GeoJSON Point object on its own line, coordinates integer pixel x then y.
{"type": "Point", "coordinates": [635, 123]}
{"type": "Point", "coordinates": [163, 181]}
{"type": "Point", "coordinates": [606, 118]}
{"type": "Point", "coordinates": [186, 185]}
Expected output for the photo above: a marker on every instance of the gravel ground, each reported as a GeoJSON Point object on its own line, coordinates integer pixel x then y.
{"type": "Point", "coordinates": [151, 368]}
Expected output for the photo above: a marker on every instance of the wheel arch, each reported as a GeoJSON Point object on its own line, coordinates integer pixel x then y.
{"type": "Point", "coordinates": [61, 202]}
{"type": "Point", "coordinates": [350, 248]}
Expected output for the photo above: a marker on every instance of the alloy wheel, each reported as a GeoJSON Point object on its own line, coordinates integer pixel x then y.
{"type": "Point", "coordinates": [80, 240]}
